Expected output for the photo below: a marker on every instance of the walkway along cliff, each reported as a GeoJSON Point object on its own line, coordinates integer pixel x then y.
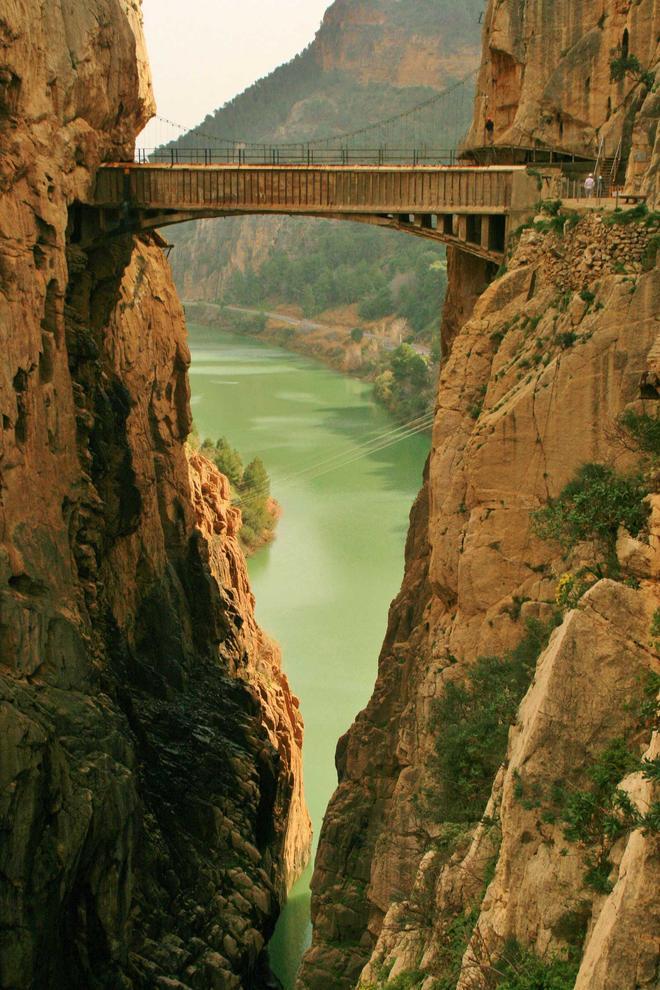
{"type": "Point", "coordinates": [457, 851]}
{"type": "Point", "coordinates": [151, 804]}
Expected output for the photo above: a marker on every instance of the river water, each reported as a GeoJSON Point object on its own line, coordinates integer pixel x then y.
{"type": "Point", "coordinates": [324, 586]}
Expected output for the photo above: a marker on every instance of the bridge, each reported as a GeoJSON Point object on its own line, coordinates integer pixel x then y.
{"type": "Point", "coordinates": [402, 172]}
{"type": "Point", "coordinates": [474, 207]}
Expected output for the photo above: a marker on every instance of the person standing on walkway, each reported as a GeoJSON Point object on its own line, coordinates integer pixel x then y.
{"type": "Point", "coordinates": [490, 129]}
{"type": "Point", "coordinates": [589, 184]}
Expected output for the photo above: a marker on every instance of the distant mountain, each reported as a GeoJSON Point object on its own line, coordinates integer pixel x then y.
{"type": "Point", "coordinates": [371, 59]}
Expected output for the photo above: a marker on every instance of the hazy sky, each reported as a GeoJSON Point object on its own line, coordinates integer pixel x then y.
{"type": "Point", "coordinates": [203, 52]}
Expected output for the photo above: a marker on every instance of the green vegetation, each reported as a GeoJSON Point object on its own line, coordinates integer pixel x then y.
{"type": "Point", "coordinates": [598, 816]}
{"type": "Point", "coordinates": [521, 969]}
{"type": "Point", "coordinates": [249, 323]}
{"type": "Point", "coordinates": [473, 720]}
{"type": "Point", "coordinates": [655, 631]}
{"type": "Point", "coordinates": [410, 980]}
{"type": "Point", "coordinates": [643, 430]}
{"type": "Point", "coordinates": [636, 214]}
{"type": "Point", "coordinates": [406, 385]}
{"type": "Point", "coordinates": [629, 65]}
{"type": "Point", "coordinates": [454, 943]}
{"type": "Point", "coordinates": [332, 265]}
{"type": "Point", "coordinates": [567, 339]}
{"type": "Point", "coordinates": [592, 507]}
{"type": "Point", "coordinates": [571, 588]}
{"type": "Point", "coordinates": [250, 488]}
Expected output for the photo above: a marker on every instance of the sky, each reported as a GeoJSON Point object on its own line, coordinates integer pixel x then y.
{"type": "Point", "coordinates": [204, 52]}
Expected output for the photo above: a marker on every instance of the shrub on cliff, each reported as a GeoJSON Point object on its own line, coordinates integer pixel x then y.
{"type": "Point", "coordinates": [521, 969]}
{"type": "Point", "coordinates": [592, 507]}
{"type": "Point", "coordinates": [472, 722]}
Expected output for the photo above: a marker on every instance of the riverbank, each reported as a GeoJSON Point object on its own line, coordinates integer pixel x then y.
{"type": "Point", "coordinates": [383, 352]}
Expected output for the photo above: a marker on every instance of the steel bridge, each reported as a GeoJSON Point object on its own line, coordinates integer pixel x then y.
{"type": "Point", "coordinates": [473, 207]}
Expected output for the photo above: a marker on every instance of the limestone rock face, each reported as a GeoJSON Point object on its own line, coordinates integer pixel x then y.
{"type": "Point", "coordinates": [396, 55]}
{"type": "Point", "coordinates": [539, 365]}
{"type": "Point", "coordinates": [546, 77]}
{"type": "Point", "coordinates": [531, 389]}
{"type": "Point", "coordinates": [562, 725]}
{"type": "Point", "coordinates": [150, 793]}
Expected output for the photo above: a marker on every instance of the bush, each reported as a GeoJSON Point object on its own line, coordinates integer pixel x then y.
{"type": "Point", "coordinates": [655, 631]}
{"type": "Point", "coordinates": [597, 817]}
{"type": "Point", "coordinates": [226, 459]}
{"type": "Point", "coordinates": [643, 430]}
{"type": "Point", "coordinates": [376, 305]}
{"type": "Point", "coordinates": [570, 589]}
{"type": "Point", "coordinates": [567, 339]}
{"type": "Point", "coordinates": [452, 948]}
{"type": "Point", "coordinates": [592, 507]}
{"type": "Point", "coordinates": [629, 65]}
{"type": "Point", "coordinates": [250, 487]}
{"type": "Point", "coordinates": [521, 969]}
{"type": "Point", "coordinates": [472, 720]}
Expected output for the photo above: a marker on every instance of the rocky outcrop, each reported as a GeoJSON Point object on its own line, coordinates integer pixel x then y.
{"type": "Point", "coordinates": [150, 794]}
{"type": "Point", "coordinates": [540, 363]}
{"type": "Point", "coordinates": [547, 77]}
{"type": "Point", "coordinates": [220, 522]}
{"type": "Point", "coordinates": [532, 388]}
{"type": "Point", "coordinates": [417, 46]}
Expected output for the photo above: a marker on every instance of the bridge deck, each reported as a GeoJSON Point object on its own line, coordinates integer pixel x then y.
{"type": "Point", "coordinates": [305, 188]}
{"type": "Point", "coordinates": [410, 197]}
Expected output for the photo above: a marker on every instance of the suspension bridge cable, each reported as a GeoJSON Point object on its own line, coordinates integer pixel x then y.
{"type": "Point", "coordinates": [375, 442]}
{"type": "Point", "coordinates": [341, 464]}
{"type": "Point", "coordinates": [385, 124]}
{"type": "Point", "coordinates": [430, 101]}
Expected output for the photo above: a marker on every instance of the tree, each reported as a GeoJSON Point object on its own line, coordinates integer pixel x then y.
{"type": "Point", "coordinates": [227, 460]}
{"type": "Point", "coordinates": [255, 477]}
{"type": "Point", "coordinates": [408, 365]}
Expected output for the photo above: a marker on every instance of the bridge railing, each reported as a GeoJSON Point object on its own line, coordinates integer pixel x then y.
{"type": "Point", "coordinates": [574, 188]}
{"type": "Point", "coordinates": [295, 154]}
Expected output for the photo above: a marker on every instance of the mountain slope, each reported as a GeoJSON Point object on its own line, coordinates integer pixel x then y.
{"type": "Point", "coordinates": [370, 60]}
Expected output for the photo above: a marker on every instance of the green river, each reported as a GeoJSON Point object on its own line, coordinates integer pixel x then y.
{"type": "Point", "coordinates": [324, 586]}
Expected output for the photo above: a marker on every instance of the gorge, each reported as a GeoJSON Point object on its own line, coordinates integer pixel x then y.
{"type": "Point", "coordinates": [496, 817]}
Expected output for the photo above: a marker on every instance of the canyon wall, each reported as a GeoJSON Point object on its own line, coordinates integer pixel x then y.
{"type": "Point", "coordinates": [151, 799]}
{"type": "Point", "coordinates": [411, 886]}
{"type": "Point", "coordinates": [547, 78]}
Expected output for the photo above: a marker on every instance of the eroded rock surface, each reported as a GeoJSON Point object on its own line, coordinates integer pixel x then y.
{"type": "Point", "coordinates": [547, 76]}
{"type": "Point", "coordinates": [532, 389]}
{"type": "Point", "coordinates": [150, 794]}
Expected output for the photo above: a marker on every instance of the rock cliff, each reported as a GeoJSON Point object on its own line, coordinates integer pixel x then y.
{"type": "Point", "coordinates": [415, 883]}
{"type": "Point", "coordinates": [548, 75]}
{"type": "Point", "coordinates": [151, 800]}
